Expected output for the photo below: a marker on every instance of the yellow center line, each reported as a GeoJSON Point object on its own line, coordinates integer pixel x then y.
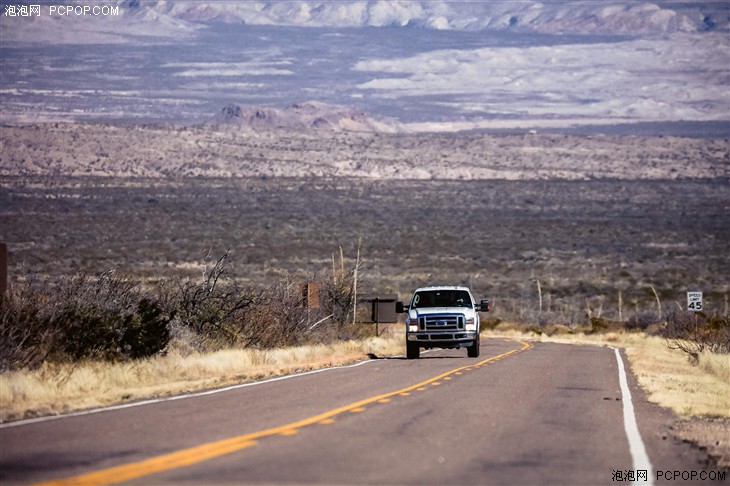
{"type": "Point", "coordinates": [210, 450]}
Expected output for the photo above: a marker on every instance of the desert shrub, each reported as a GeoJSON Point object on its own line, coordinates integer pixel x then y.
{"type": "Point", "coordinates": [218, 310]}
{"type": "Point", "coordinates": [26, 336]}
{"type": "Point", "coordinates": [285, 320]}
{"type": "Point", "coordinates": [104, 317]}
{"type": "Point", "coordinates": [695, 333]}
{"type": "Point", "coordinates": [557, 329]}
{"type": "Point", "coordinates": [146, 331]}
{"type": "Point", "coordinates": [641, 320]}
{"type": "Point", "coordinates": [111, 317]}
{"type": "Point", "coordinates": [598, 325]}
{"type": "Point", "coordinates": [337, 298]}
{"type": "Point", "coordinates": [535, 329]}
{"type": "Point", "coordinates": [489, 323]}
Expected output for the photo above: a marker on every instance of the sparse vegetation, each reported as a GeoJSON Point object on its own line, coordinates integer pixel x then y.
{"type": "Point", "coordinates": [111, 318]}
{"type": "Point", "coordinates": [412, 235]}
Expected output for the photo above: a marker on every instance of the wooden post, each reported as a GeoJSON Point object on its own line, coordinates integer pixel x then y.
{"type": "Point", "coordinates": [3, 269]}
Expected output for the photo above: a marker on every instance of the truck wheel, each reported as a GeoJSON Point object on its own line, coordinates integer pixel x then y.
{"type": "Point", "coordinates": [413, 350]}
{"type": "Point", "coordinates": [473, 350]}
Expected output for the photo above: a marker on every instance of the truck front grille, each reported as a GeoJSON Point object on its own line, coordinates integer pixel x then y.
{"type": "Point", "coordinates": [442, 322]}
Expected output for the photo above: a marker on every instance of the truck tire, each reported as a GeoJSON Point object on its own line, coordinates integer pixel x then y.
{"type": "Point", "coordinates": [413, 350]}
{"type": "Point", "coordinates": [473, 350]}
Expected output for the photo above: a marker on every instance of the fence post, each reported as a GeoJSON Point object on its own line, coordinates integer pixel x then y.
{"type": "Point", "coordinates": [3, 269]}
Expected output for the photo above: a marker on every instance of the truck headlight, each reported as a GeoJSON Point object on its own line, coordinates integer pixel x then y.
{"type": "Point", "coordinates": [470, 324]}
{"type": "Point", "coordinates": [412, 324]}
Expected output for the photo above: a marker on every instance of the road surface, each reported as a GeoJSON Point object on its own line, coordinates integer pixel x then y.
{"type": "Point", "coordinates": [521, 413]}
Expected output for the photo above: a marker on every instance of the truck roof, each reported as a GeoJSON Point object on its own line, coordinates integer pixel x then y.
{"type": "Point", "coordinates": [443, 287]}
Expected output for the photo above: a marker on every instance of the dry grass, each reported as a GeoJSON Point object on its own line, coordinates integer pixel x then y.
{"type": "Point", "coordinates": [672, 381]}
{"type": "Point", "coordinates": [55, 389]}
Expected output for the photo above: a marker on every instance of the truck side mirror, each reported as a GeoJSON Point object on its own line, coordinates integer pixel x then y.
{"type": "Point", "coordinates": [484, 306]}
{"type": "Point", "coordinates": [400, 308]}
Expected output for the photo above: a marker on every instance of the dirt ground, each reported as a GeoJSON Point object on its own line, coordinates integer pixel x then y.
{"type": "Point", "coordinates": [708, 434]}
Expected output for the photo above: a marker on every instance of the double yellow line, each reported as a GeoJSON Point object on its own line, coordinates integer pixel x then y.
{"type": "Point", "coordinates": [193, 455]}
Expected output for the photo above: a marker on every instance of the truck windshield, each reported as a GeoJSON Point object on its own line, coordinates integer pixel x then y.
{"type": "Point", "coordinates": [441, 298]}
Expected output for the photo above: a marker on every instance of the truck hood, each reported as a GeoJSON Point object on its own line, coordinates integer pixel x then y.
{"type": "Point", "coordinates": [424, 311]}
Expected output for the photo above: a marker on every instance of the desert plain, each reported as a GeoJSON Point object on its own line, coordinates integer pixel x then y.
{"type": "Point", "coordinates": [569, 226]}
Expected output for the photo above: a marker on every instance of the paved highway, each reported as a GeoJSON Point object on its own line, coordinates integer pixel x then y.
{"type": "Point", "coordinates": [522, 413]}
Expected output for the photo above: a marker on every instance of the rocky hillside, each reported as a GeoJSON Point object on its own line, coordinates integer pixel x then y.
{"type": "Point", "coordinates": [241, 151]}
{"type": "Point", "coordinates": [574, 17]}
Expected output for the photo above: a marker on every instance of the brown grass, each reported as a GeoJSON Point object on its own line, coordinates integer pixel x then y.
{"type": "Point", "coordinates": [55, 389]}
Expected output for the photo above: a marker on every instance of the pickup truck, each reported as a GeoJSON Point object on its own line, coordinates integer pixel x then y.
{"type": "Point", "coordinates": [442, 317]}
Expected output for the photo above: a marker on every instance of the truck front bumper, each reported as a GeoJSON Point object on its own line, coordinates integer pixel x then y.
{"type": "Point", "coordinates": [443, 338]}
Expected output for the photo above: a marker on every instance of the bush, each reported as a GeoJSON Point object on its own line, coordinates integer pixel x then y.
{"type": "Point", "coordinates": [598, 325]}
{"type": "Point", "coordinates": [695, 333]}
{"type": "Point", "coordinates": [218, 310]}
{"type": "Point", "coordinates": [104, 317]}
{"type": "Point", "coordinates": [109, 317]}
{"type": "Point", "coordinates": [643, 319]}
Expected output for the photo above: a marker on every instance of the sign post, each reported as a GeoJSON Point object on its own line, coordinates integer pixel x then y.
{"type": "Point", "coordinates": [694, 301]}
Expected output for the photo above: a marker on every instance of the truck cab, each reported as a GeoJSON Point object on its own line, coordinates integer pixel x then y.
{"type": "Point", "coordinates": [443, 317]}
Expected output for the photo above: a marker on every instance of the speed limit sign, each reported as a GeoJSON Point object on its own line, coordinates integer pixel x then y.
{"type": "Point", "coordinates": [694, 301]}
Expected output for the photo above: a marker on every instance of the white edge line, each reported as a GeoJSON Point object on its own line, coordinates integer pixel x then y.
{"type": "Point", "coordinates": [637, 449]}
{"type": "Point", "coordinates": [175, 397]}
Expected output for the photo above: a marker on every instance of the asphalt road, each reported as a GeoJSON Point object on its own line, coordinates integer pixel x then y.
{"type": "Point", "coordinates": [522, 413]}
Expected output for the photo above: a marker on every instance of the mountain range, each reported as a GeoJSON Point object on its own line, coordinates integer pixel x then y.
{"type": "Point", "coordinates": [371, 65]}
{"type": "Point", "coordinates": [160, 18]}
{"type": "Point", "coordinates": [621, 17]}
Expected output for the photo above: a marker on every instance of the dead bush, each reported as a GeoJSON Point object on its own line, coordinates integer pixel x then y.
{"type": "Point", "coordinates": [217, 309]}
{"type": "Point", "coordinates": [694, 333]}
